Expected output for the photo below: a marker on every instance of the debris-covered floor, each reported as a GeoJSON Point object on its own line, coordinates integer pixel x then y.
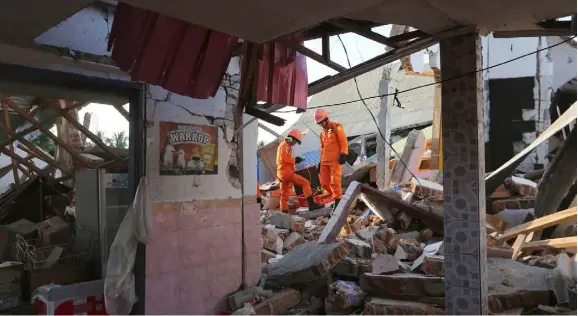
{"type": "Point", "coordinates": [382, 252]}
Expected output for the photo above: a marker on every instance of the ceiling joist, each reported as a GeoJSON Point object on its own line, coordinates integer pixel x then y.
{"type": "Point", "coordinates": [353, 27]}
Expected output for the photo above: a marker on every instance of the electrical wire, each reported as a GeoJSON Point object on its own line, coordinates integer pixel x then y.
{"type": "Point", "coordinates": [444, 80]}
{"type": "Point", "coordinates": [373, 116]}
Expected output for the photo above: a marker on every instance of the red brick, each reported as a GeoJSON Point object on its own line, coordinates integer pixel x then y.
{"type": "Point", "coordinates": [433, 266]}
{"type": "Point", "coordinates": [381, 306]}
{"type": "Point", "coordinates": [278, 303]}
{"type": "Point", "coordinates": [402, 284]}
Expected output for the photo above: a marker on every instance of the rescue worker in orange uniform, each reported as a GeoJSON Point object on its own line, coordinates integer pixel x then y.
{"type": "Point", "coordinates": [286, 172]}
{"type": "Point", "coordinates": [334, 150]}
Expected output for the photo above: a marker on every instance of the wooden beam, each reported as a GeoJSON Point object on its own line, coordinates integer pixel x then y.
{"type": "Point", "coordinates": [518, 245]}
{"type": "Point", "coordinates": [11, 146]}
{"type": "Point", "coordinates": [353, 27]}
{"type": "Point", "coordinates": [30, 148]}
{"type": "Point", "coordinates": [376, 62]}
{"type": "Point", "coordinates": [23, 161]}
{"type": "Point", "coordinates": [32, 128]}
{"type": "Point", "coordinates": [122, 111]}
{"type": "Point", "coordinates": [45, 130]}
{"type": "Point", "coordinates": [326, 48]}
{"type": "Point", "coordinates": [80, 127]}
{"type": "Point", "coordinates": [557, 243]}
{"type": "Point", "coordinates": [539, 224]}
{"type": "Point", "coordinates": [313, 55]}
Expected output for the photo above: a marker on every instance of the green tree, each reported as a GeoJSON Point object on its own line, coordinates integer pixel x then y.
{"type": "Point", "coordinates": [260, 144]}
{"type": "Point", "coordinates": [45, 143]}
{"type": "Point", "coordinates": [119, 140]}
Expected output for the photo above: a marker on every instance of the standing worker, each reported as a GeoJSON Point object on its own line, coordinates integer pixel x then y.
{"type": "Point", "coordinates": [334, 150]}
{"type": "Point", "coordinates": [286, 172]}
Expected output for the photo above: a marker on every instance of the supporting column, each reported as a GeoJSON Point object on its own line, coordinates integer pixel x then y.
{"type": "Point", "coordinates": [464, 191]}
{"type": "Point", "coordinates": [382, 149]}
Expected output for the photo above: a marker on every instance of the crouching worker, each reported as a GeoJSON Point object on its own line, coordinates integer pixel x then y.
{"type": "Point", "coordinates": [286, 172]}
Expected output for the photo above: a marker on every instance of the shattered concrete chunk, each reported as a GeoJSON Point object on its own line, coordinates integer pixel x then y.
{"type": "Point", "coordinates": [562, 276]}
{"type": "Point", "coordinates": [322, 212]}
{"type": "Point", "coordinates": [359, 248]}
{"type": "Point", "coordinates": [515, 217]}
{"type": "Point", "coordinates": [238, 299]}
{"type": "Point", "coordinates": [269, 239]}
{"type": "Point", "coordinates": [383, 264]}
{"type": "Point", "coordinates": [400, 254]}
{"type": "Point", "coordinates": [306, 263]}
{"type": "Point", "coordinates": [385, 235]}
{"type": "Point", "coordinates": [293, 240]}
{"type": "Point", "coordinates": [366, 234]}
{"type": "Point", "coordinates": [343, 297]}
{"type": "Point", "coordinates": [521, 186]}
{"type": "Point", "coordinates": [512, 284]}
{"type": "Point", "coordinates": [383, 306]}
{"type": "Point", "coordinates": [247, 309]}
{"type": "Point", "coordinates": [280, 220]}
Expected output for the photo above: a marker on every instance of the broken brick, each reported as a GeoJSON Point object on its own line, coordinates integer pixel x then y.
{"type": "Point", "coordinates": [385, 235]}
{"type": "Point", "coordinates": [433, 265]}
{"type": "Point", "coordinates": [411, 247]}
{"type": "Point", "coordinates": [278, 303]}
{"type": "Point", "coordinates": [293, 240]}
{"type": "Point", "coordinates": [384, 263]}
{"type": "Point", "coordinates": [513, 204]}
{"type": "Point", "coordinates": [384, 306]}
{"type": "Point", "coordinates": [426, 188]}
{"type": "Point", "coordinates": [298, 224]}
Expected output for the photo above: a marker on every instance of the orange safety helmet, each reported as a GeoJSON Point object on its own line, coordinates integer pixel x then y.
{"type": "Point", "coordinates": [320, 115]}
{"type": "Point", "coordinates": [296, 134]}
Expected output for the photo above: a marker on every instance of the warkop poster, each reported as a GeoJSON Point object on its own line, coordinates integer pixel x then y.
{"type": "Point", "coordinates": [188, 149]}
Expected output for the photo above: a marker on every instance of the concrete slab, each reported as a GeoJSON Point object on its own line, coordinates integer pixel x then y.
{"type": "Point", "coordinates": [306, 263]}
{"type": "Point", "coordinates": [402, 284]}
{"type": "Point", "coordinates": [339, 217]}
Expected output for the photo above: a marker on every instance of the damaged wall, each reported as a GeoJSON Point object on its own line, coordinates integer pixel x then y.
{"type": "Point", "coordinates": [546, 68]}
{"type": "Point", "coordinates": [194, 256]}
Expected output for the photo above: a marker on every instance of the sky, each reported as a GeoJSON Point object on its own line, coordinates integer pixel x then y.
{"type": "Point", "coordinates": [107, 119]}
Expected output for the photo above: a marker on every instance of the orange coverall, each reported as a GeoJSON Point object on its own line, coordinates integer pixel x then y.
{"type": "Point", "coordinates": [286, 174]}
{"type": "Point", "coordinates": [333, 143]}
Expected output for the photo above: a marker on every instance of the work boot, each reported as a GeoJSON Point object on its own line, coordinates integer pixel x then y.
{"type": "Point", "coordinates": [312, 205]}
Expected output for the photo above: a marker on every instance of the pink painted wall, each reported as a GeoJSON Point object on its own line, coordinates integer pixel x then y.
{"type": "Point", "coordinates": [194, 257]}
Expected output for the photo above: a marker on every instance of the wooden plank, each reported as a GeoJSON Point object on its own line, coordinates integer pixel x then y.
{"type": "Point", "coordinates": [557, 243]}
{"type": "Point", "coordinates": [45, 130]}
{"type": "Point", "coordinates": [23, 161]}
{"type": "Point", "coordinates": [122, 111]}
{"type": "Point", "coordinates": [517, 246]}
{"type": "Point", "coordinates": [539, 224]}
{"type": "Point", "coordinates": [80, 127]}
{"type": "Point", "coordinates": [11, 146]}
{"type": "Point", "coordinates": [30, 147]}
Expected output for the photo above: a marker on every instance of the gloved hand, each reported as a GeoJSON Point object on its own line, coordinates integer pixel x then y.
{"type": "Point", "coordinates": [298, 159]}
{"type": "Point", "coordinates": [319, 167]}
{"type": "Point", "coordinates": [342, 158]}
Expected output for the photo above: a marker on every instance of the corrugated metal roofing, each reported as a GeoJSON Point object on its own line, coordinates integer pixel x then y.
{"type": "Point", "coordinates": [311, 159]}
{"type": "Point", "coordinates": [417, 104]}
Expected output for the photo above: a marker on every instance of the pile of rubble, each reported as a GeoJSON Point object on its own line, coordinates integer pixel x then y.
{"type": "Point", "coordinates": [383, 253]}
